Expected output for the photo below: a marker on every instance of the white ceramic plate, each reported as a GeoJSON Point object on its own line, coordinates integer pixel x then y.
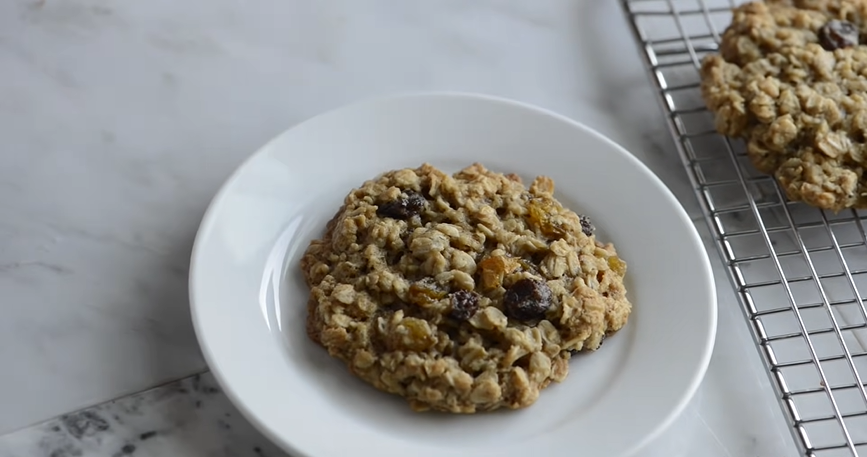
{"type": "Point", "coordinates": [249, 299]}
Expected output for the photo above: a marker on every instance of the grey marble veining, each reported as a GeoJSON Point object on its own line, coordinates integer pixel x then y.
{"type": "Point", "coordinates": [190, 417]}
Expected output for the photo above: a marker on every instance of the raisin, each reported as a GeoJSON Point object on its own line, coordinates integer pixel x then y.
{"type": "Point", "coordinates": [586, 226]}
{"type": "Point", "coordinates": [541, 214]}
{"type": "Point", "coordinates": [464, 304]}
{"type": "Point", "coordinates": [425, 292]}
{"type": "Point", "coordinates": [838, 34]}
{"type": "Point", "coordinates": [492, 269]}
{"type": "Point", "coordinates": [416, 336]}
{"type": "Point", "coordinates": [527, 299]}
{"type": "Point", "coordinates": [617, 265]}
{"type": "Point", "coordinates": [402, 208]}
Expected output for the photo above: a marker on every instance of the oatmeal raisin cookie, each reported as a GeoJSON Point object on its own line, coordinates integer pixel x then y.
{"type": "Point", "coordinates": [461, 293]}
{"type": "Point", "coordinates": [791, 79]}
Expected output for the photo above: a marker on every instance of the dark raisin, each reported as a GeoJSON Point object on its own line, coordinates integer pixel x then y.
{"type": "Point", "coordinates": [586, 226]}
{"type": "Point", "coordinates": [527, 299]}
{"type": "Point", "coordinates": [838, 34]}
{"type": "Point", "coordinates": [464, 304]}
{"type": "Point", "coordinates": [403, 207]}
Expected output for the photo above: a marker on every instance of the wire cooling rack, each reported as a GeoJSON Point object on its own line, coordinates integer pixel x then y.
{"type": "Point", "coordinates": [797, 270]}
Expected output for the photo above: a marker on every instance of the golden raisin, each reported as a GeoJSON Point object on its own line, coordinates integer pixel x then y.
{"type": "Point", "coordinates": [417, 336]}
{"type": "Point", "coordinates": [618, 266]}
{"type": "Point", "coordinates": [494, 268]}
{"type": "Point", "coordinates": [541, 212]}
{"type": "Point", "coordinates": [425, 292]}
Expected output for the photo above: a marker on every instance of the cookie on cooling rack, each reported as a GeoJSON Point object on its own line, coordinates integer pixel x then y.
{"type": "Point", "coordinates": [461, 293]}
{"type": "Point", "coordinates": [790, 80]}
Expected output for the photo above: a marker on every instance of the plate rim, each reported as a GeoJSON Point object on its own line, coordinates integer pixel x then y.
{"type": "Point", "coordinates": [208, 221]}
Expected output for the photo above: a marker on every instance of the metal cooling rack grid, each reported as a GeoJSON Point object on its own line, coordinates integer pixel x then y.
{"type": "Point", "coordinates": [800, 273]}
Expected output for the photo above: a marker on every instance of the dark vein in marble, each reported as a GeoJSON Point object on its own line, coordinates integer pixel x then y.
{"type": "Point", "coordinates": [189, 417]}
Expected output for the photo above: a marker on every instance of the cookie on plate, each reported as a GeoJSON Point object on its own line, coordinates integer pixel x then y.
{"type": "Point", "coordinates": [790, 80]}
{"type": "Point", "coordinates": [461, 293]}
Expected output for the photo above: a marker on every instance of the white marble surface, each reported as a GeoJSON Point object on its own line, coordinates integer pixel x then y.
{"type": "Point", "coordinates": [119, 120]}
{"type": "Point", "coordinates": [192, 418]}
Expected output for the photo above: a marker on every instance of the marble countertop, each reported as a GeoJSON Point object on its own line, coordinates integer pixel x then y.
{"type": "Point", "coordinates": [120, 119]}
